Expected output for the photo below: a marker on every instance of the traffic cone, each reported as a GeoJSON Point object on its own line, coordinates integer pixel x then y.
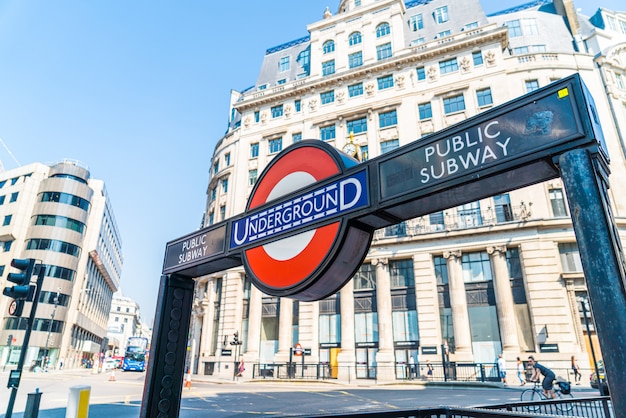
{"type": "Point", "coordinates": [112, 376]}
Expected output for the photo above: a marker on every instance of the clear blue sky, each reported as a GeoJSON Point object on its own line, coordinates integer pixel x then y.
{"type": "Point", "coordinates": [139, 91]}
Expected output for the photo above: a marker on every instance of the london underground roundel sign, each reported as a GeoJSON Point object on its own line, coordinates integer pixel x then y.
{"type": "Point", "coordinates": [309, 264]}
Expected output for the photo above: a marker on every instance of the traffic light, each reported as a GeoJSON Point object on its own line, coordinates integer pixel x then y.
{"type": "Point", "coordinates": [22, 291]}
{"type": "Point", "coordinates": [235, 340]}
{"type": "Point", "coordinates": [9, 340]}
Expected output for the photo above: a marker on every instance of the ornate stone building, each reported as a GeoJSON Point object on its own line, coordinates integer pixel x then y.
{"type": "Point", "coordinates": [499, 275]}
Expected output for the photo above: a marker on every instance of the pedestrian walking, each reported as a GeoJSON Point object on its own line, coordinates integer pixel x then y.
{"type": "Point", "coordinates": [502, 368]}
{"type": "Point", "coordinates": [520, 372]}
{"type": "Point", "coordinates": [576, 370]}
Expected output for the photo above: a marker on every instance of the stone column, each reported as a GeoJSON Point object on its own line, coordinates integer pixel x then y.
{"type": "Point", "coordinates": [346, 359]}
{"type": "Point", "coordinates": [504, 301]}
{"type": "Point", "coordinates": [285, 322]}
{"type": "Point", "coordinates": [253, 342]}
{"type": "Point", "coordinates": [458, 303]}
{"type": "Point", "coordinates": [385, 356]}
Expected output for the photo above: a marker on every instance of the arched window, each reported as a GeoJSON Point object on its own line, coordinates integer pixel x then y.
{"type": "Point", "coordinates": [382, 30]}
{"type": "Point", "coordinates": [328, 47]}
{"type": "Point", "coordinates": [355, 38]}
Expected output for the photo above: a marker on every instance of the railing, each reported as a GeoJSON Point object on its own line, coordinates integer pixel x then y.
{"type": "Point", "coordinates": [577, 407]}
{"type": "Point", "coordinates": [452, 222]}
{"type": "Point", "coordinates": [438, 412]}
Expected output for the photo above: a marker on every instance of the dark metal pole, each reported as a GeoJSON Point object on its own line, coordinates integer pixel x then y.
{"type": "Point", "coordinates": [29, 329]}
{"type": "Point", "coordinates": [585, 177]}
{"type": "Point", "coordinates": [164, 378]}
{"type": "Point", "coordinates": [593, 351]}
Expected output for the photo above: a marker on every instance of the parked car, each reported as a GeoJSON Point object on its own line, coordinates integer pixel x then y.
{"type": "Point", "coordinates": [110, 364]}
{"type": "Point", "coordinates": [593, 378]}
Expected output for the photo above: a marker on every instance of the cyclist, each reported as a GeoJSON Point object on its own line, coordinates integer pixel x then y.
{"type": "Point", "coordinates": [548, 377]}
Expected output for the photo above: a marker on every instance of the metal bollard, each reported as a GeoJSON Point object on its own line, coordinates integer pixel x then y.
{"type": "Point", "coordinates": [78, 402]}
{"type": "Point", "coordinates": [32, 404]}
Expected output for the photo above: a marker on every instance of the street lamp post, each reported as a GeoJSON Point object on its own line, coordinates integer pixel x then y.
{"type": "Point", "coordinates": [46, 359]}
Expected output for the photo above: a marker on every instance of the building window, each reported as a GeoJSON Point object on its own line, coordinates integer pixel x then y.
{"type": "Point", "coordinates": [383, 51]}
{"type": "Point", "coordinates": [213, 193]}
{"type": "Point", "coordinates": [357, 126]}
{"type": "Point", "coordinates": [276, 145]}
{"type": "Point", "coordinates": [619, 81]}
{"type": "Point", "coordinates": [570, 257]}
{"type": "Point", "coordinates": [328, 67]}
{"type": "Point", "coordinates": [357, 3]}
{"type": "Point", "coordinates": [504, 213]}
{"type": "Point", "coordinates": [515, 28]}
{"type": "Point", "coordinates": [472, 25]}
{"type": "Point", "coordinates": [216, 167]}
{"type": "Point", "coordinates": [296, 137]}
{"type": "Point", "coordinates": [2, 198]}
{"type": "Point", "coordinates": [441, 14]}
{"type": "Point", "coordinates": [257, 116]}
{"type": "Point", "coordinates": [224, 185]}
{"type": "Point", "coordinates": [355, 60]}
{"type": "Point", "coordinates": [476, 267]}
{"type": "Point", "coordinates": [227, 159]}
{"type": "Point", "coordinates": [298, 105]}
{"type": "Point", "coordinates": [327, 133]}
{"type": "Point", "coordinates": [118, 309]}
{"type": "Point", "coordinates": [478, 58]}
{"type": "Point", "coordinates": [60, 221]}
{"type": "Point", "coordinates": [444, 33]}
{"type": "Point", "coordinates": [284, 64]}
{"type": "Point", "coordinates": [437, 222]}
{"type": "Point", "coordinates": [383, 30]}
{"type": "Point", "coordinates": [389, 145]}
{"type": "Point", "coordinates": [385, 82]}
{"type": "Point", "coordinates": [557, 200]}
{"type": "Point", "coordinates": [6, 246]}
{"type": "Point", "coordinates": [387, 119]}
{"type": "Point", "coordinates": [14, 196]}
{"type": "Point", "coordinates": [277, 111]}
{"type": "Point", "coordinates": [211, 218]}
{"type": "Point", "coordinates": [529, 27]}
{"type": "Point", "coordinates": [262, 87]}
{"type": "Point", "coordinates": [254, 150]}
{"type": "Point", "coordinates": [53, 245]}
{"type": "Point", "coordinates": [421, 73]}
{"type": "Point", "coordinates": [401, 272]}
{"type": "Point", "coordinates": [328, 47]}
{"type": "Point", "coordinates": [531, 85]}
{"type": "Point", "coordinates": [355, 90]}
{"type": "Point", "coordinates": [484, 97]}
{"type": "Point", "coordinates": [327, 97]}
{"type": "Point", "coordinates": [425, 111]}
{"type": "Point", "coordinates": [418, 41]}
{"type": "Point", "coordinates": [364, 152]}
{"type": "Point", "coordinates": [2, 183]}
{"type": "Point", "coordinates": [469, 215]}
{"type": "Point", "coordinates": [222, 212]}
{"type": "Point", "coordinates": [65, 198]}
{"type": "Point", "coordinates": [365, 278]}
{"type": "Point", "coordinates": [7, 220]}
{"type": "Point", "coordinates": [281, 81]}
{"type": "Point", "coordinates": [416, 22]}
{"type": "Point", "coordinates": [354, 38]}
{"type": "Point", "coordinates": [252, 176]}
{"type": "Point", "coordinates": [448, 66]}
{"type": "Point", "coordinates": [453, 104]}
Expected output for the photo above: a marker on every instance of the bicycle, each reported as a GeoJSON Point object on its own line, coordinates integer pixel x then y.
{"type": "Point", "coordinates": [535, 394]}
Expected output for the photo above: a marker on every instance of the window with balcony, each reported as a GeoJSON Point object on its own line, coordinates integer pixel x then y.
{"type": "Point", "coordinates": [502, 204]}
{"type": "Point", "coordinates": [469, 215]}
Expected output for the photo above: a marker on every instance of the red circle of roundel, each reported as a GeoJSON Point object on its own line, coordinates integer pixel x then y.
{"type": "Point", "coordinates": [285, 273]}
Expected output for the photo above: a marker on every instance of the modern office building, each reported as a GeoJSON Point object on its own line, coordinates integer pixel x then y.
{"type": "Point", "coordinates": [498, 275]}
{"type": "Point", "coordinates": [61, 217]}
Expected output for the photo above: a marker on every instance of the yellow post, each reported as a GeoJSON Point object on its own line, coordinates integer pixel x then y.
{"type": "Point", "coordinates": [78, 402]}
